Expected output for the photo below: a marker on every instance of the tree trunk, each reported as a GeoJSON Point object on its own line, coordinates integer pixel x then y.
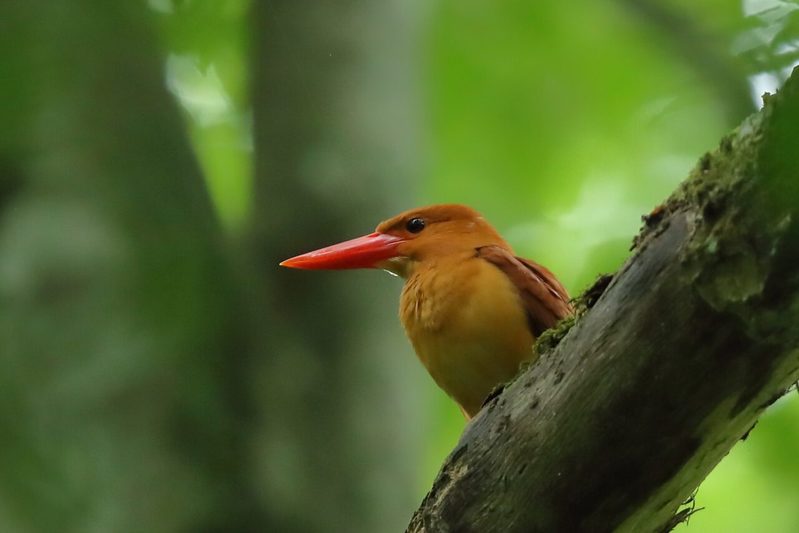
{"type": "Point", "coordinates": [333, 105]}
{"type": "Point", "coordinates": [693, 339]}
{"type": "Point", "coordinates": [117, 394]}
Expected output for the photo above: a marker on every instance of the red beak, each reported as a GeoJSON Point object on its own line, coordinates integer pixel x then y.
{"type": "Point", "coordinates": [363, 252]}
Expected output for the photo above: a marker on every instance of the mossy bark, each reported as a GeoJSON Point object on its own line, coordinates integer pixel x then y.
{"type": "Point", "coordinates": [692, 340]}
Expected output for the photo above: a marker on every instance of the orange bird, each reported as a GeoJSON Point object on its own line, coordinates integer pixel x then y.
{"type": "Point", "coordinates": [470, 307]}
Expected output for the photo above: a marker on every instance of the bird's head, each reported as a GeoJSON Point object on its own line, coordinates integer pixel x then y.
{"type": "Point", "coordinates": [401, 243]}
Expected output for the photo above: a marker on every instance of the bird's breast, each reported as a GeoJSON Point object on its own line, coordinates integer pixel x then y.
{"type": "Point", "coordinates": [468, 327]}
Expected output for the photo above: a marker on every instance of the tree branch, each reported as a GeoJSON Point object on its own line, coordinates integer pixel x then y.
{"type": "Point", "coordinates": [695, 336]}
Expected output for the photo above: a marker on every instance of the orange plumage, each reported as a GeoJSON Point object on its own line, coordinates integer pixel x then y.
{"type": "Point", "coordinates": [471, 309]}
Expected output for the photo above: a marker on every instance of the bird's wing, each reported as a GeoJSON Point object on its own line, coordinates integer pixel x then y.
{"type": "Point", "coordinates": [545, 299]}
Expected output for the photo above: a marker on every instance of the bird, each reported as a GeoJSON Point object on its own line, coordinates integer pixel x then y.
{"type": "Point", "coordinates": [471, 308]}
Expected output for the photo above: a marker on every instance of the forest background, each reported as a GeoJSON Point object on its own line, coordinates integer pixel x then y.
{"type": "Point", "coordinates": [159, 372]}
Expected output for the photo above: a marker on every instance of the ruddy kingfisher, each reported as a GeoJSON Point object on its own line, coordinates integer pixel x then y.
{"type": "Point", "coordinates": [471, 309]}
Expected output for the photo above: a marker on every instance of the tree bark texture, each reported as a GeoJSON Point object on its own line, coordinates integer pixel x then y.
{"type": "Point", "coordinates": [645, 392]}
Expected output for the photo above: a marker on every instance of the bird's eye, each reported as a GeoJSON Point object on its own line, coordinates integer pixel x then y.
{"type": "Point", "coordinates": [415, 225]}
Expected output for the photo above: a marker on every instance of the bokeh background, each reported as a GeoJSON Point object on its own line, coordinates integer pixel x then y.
{"type": "Point", "coordinates": [159, 372]}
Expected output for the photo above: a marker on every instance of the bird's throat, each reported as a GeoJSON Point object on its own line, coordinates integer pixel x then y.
{"type": "Point", "coordinates": [397, 266]}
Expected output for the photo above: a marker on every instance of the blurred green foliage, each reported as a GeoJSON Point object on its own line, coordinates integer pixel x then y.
{"type": "Point", "coordinates": [160, 374]}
